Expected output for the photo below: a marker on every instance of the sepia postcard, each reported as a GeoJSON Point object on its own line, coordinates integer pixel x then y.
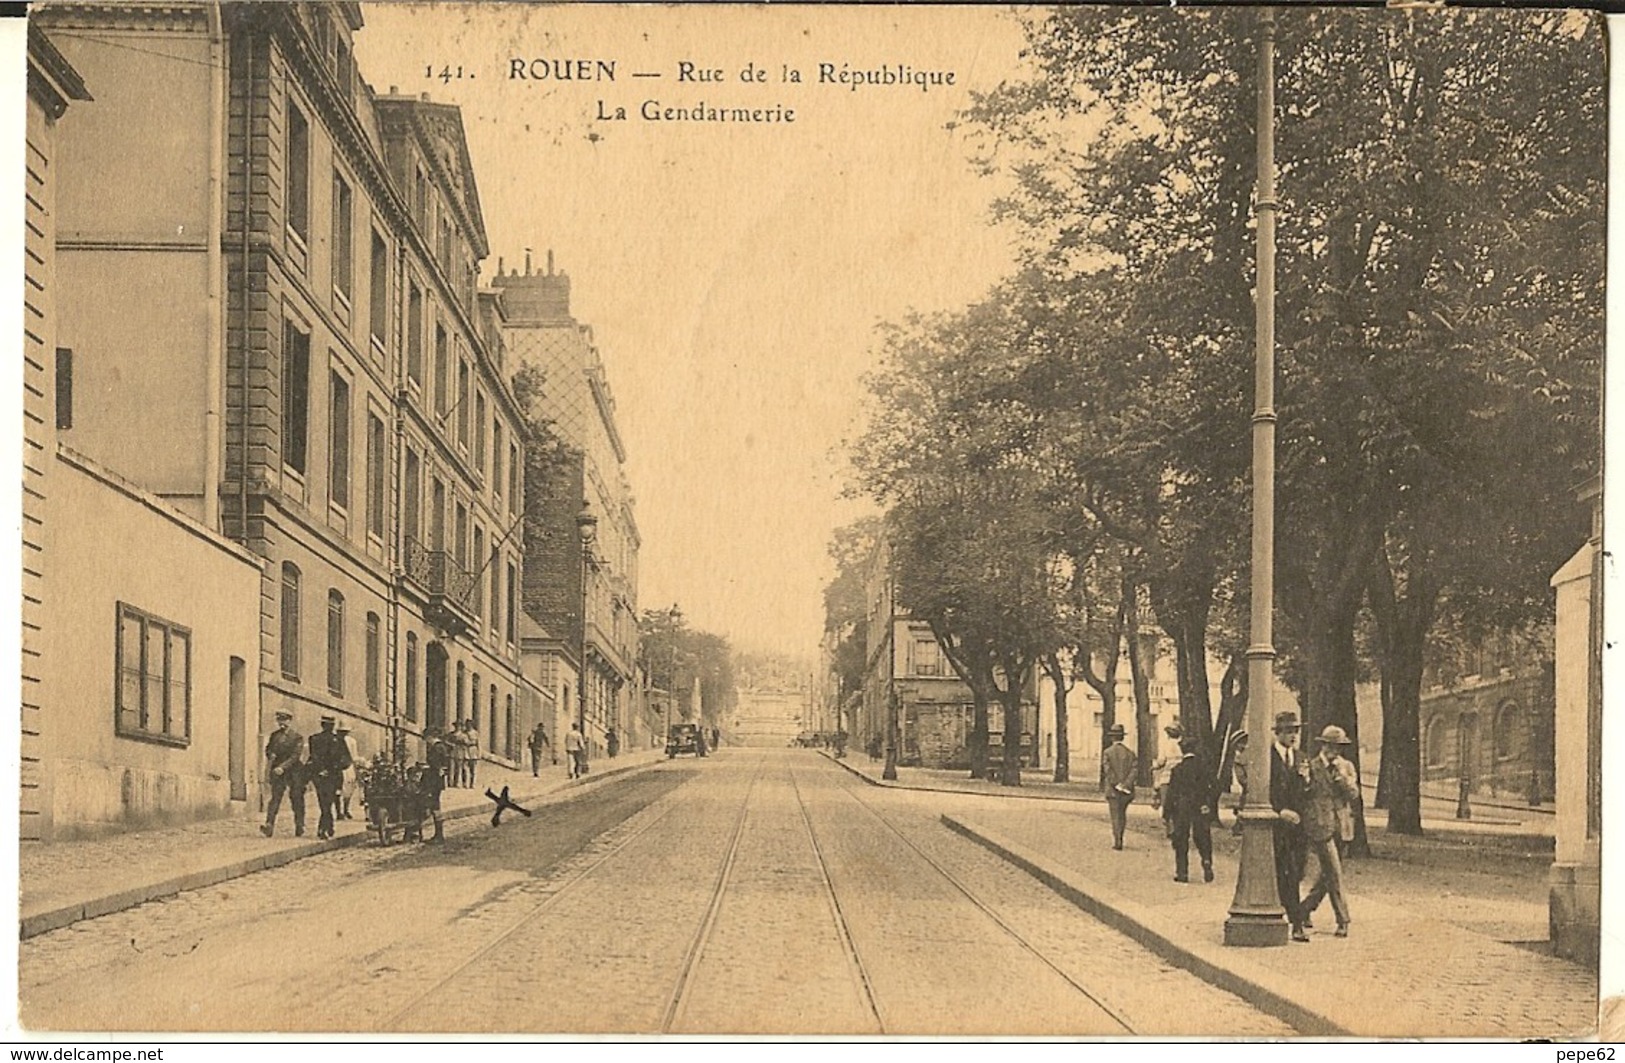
{"type": "Point", "coordinates": [810, 521]}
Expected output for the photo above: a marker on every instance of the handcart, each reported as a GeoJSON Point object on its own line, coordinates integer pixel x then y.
{"type": "Point", "coordinates": [395, 801]}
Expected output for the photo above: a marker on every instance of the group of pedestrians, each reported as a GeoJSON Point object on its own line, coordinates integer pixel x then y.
{"type": "Point", "coordinates": [464, 747]}
{"type": "Point", "coordinates": [329, 769]}
{"type": "Point", "coordinates": [1314, 797]}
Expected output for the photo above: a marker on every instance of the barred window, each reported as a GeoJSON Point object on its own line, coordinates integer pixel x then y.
{"type": "Point", "coordinates": [154, 691]}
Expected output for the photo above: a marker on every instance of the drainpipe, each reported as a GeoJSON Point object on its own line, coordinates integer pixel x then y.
{"type": "Point", "coordinates": [214, 378]}
{"type": "Point", "coordinates": [245, 301]}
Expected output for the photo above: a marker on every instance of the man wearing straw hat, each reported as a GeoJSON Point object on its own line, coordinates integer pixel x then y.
{"type": "Point", "coordinates": [1332, 793]}
{"type": "Point", "coordinates": [1119, 766]}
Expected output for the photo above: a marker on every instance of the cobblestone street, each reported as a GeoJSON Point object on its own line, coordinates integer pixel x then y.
{"type": "Point", "coordinates": [758, 891]}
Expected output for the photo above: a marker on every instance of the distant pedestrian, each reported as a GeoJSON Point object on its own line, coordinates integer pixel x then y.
{"type": "Point", "coordinates": [699, 741]}
{"type": "Point", "coordinates": [347, 789]}
{"type": "Point", "coordinates": [612, 743]}
{"type": "Point", "coordinates": [537, 743]}
{"type": "Point", "coordinates": [1188, 808]}
{"type": "Point", "coordinates": [328, 759]}
{"type": "Point", "coordinates": [284, 757]}
{"type": "Point", "coordinates": [1332, 789]}
{"type": "Point", "coordinates": [575, 747]}
{"type": "Point", "coordinates": [716, 738]}
{"type": "Point", "coordinates": [471, 750]}
{"type": "Point", "coordinates": [460, 742]}
{"type": "Point", "coordinates": [1119, 766]}
{"type": "Point", "coordinates": [1288, 795]}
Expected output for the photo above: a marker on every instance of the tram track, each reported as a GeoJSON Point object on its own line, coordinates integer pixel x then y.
{"type": "Point", "coordinates": [566, 889]}
{"type": "Point", "coordinates": [959, 885]}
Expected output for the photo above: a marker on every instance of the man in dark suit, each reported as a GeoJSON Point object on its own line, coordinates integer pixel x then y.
{"type": "Point", "coordinates": [1119, 767]}
{"type": "Point", "coordinates": [1288, 797]}
{"type": "Point", "coordinates": [1188, 807]}
{"type": "Point", "coordinates": [284, 759]}
{"type": "Point", "coordinates": [329, 757]}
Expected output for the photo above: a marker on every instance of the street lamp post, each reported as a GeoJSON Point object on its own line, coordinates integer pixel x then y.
{"type": "Point", "coordinates": [1256, 916]}
{"type": "Point", "coordinates": [587, 529]}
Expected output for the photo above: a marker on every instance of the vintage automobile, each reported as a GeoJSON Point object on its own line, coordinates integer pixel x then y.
{"type": "Point", "coordinates": [683, 738]}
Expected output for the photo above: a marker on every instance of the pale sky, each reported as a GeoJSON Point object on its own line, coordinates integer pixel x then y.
{"type": "Point", "coordinates": [732, 274]}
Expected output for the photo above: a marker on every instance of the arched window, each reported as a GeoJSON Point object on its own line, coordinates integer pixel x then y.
{"type": "Point", "coordinates": [1436, 742]}
{"type": "Point", "coordinates": [290, 620]}
{"type": "Point", "coordinates": [461, 675]}
{"type": "Point", "coordinates": [374, 660]}
{"type": "Point", "coordinates": [1508, 731]}
{"type": "Point", "coordinates": [412, 676]}
{"type": "Point", "coordinates": [474, 701]}
{"type": "Point", "coordinates": [335, 642]}
{"type": "Point", "coordinates": [496, 732]}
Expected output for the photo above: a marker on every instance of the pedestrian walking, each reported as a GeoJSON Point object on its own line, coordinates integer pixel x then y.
{"type": "Point", "coordinates": [1332, 791]}
{"type": "Point", "coordinates": [328, 759]}
{"type": "Point", "coordinates": [1288, 791]}
{"type": "Point", "coordinates": [347, 789]}
{"type": "Point", "coordinates": [432, 779]}
{"type": "Point", "coordinates": [612, 743]}
{"type": "Point", "coordinates": [575, 747]}
{"type": "Point", "coordinates": [699, 741]}
{"type": "Point", "coordinates": [471, 750]}
{"type": "Point", "coordinates": [1168, 755]}
{"type": "Point", "coordinates": [537, 743]}
{"type": "Point", "coordinates": [284, 757]}
{"type": "Point", "coordinates": [716, 738]}
{"type": "Point", "coordinates": [1188, 808]}
{"type": "Point", "coordinates": [1119, 766]}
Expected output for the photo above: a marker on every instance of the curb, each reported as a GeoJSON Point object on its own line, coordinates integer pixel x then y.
{"type": "Point", "coordinates": [1008, 791]}
{"type": "Point", "coordinates": [1127, 917]}
{"type": "Point", "coordinates": [68, 914]}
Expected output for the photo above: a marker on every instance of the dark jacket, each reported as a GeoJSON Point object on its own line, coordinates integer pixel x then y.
{"type": "Point", "coordinates": [328, 753]}
{"type": "Point", "coordinates": [1190, 792]}
{"type": "Point", "coordinates": [1288, 788]}
{"type": "Point", "coordinates": [285, 750]}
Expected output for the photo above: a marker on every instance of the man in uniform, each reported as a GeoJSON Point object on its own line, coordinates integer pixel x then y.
{"type": "Point", "coordinates": [284, 754]}
{"type": "Point", "coordinates": [328, 758]}
{"type": "Point", "coordinates": [1119, 766]}
{"type": "Point", "coordinates": [1287, 797]}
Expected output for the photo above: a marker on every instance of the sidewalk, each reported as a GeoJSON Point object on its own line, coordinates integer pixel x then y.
{"type": "Point", "coordinates": [63, 882]}
{"type": "Point", "coordinates": [1531, 826]}
{"type": "Point", "coordinates": [1406, 970]}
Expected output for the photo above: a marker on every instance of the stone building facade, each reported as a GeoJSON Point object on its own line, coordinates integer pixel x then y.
{"type": "Point", "coordinates": [576, 401]}
{"type": "Point", "coordinates": [280, 333]}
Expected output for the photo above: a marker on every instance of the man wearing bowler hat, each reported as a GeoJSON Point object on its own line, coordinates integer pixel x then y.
{"type": "Point", "coordinates": [1287, 796]}
{"type": "Point", "coordinates": [284, 756]}
{"type": "Point", "coordinates": [1333, 789]}
{"type": "Point", "coordinates": [1119, 766]}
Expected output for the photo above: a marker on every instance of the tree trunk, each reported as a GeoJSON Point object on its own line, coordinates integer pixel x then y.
{"type": "Point", "coordinates": [1183, 616]}
{"type": "Point", "coordinates": [1063, 747]}
{"type": "Point", "coordinates": [1010, 767]}
{"type": "Point", "coordinates": [1402, 626]}
{"type": "Point", "coordinates": [1144, 726]}
{"type": "Point", "coordinates": [978, 732]}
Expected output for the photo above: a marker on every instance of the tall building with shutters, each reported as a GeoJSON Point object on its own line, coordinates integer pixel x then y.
{"type": "Point", "coordinates": [282, 336]}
